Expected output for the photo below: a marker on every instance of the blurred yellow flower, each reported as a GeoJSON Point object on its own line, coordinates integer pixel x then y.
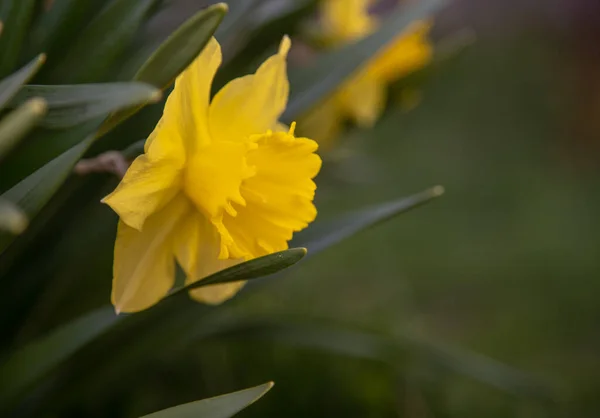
{"type": "Point", "coordinates": [362, 97]}
{"type": "Point", "coordinates": [219, 183]}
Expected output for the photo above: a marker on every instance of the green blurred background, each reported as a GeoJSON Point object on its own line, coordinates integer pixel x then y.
{"type": "Point", "coordinates": [505, 265]}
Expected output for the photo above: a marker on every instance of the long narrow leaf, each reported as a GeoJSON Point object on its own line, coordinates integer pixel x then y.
{"type": "Point", "coordinates": [11, 84]}
{"type": "Point", "coordinates": [102, 42]}
{"type": "Point", "coordinates": [16, 21]}
{"type": "Point", "coordinates": [253, 269]}
{"type": "Point", "coordinates": [32, 193]}
{"type": "Point", "coordinates": [41, 147]}
{"type": "Point", "coordinates": [58, 27]}
{"type": "Point", "coordinates": [224, 406]}
{"type": "Point", "coordinates": [70, 105]}
{"type": "Point", "coordinates": [324, 234]}
{"type": "Point", "coordinates": [181, 48]}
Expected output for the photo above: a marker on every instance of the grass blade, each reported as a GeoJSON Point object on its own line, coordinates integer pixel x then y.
{"type": "Point", "coordinates": [16, 16]}
{"type": "Point", "coordinates": [252, 269]}
{"type": "Point", "coordinates": [224, 406]}
{"type": "Point", "coordinates": [60, 25]}
{"type": "Point", "coordinates": [106, 36]}
{"type": "Point", "coordinates": [11, 84]}
{"type": "Point", "coordinates": [71, 105]}
{"type": "Point", "coordinates": [32, 193]}
{"type": "Point", "coordinates": [319, 237]}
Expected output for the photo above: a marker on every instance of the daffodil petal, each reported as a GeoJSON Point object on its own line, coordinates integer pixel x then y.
{"type": "Point", "coordinates": [363, 98]}
{"type": "Point", "coordinates": [146, 188]}
{"type": "Point", "coordinates": [197, 248]}
{"type": "Point", "coordinates": [251, 104]}
{"type": "Point", "coordinates": [183, 126]}
{"type": "Point", "coordinates": [187, 106]}
{"type": "Point", "coordinates": [143, 270]}
{"type": "Point", "coordinates": [165, 143]}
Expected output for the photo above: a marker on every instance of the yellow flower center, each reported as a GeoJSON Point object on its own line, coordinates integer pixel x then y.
{"type": "Point", "coordinates": [257, 192]}
{"type": "Point", "coordinates": [214, 175]}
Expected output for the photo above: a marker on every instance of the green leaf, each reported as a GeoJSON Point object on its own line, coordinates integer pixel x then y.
{"type": "Point", "coordinates": [24, 367]}
{"type": "Point", "coordinates": [19, 122]}
{"type": "Point", "coordinates": [164, 63]}
{"type": "Point", "coordinates": [102, 42]}
{"type": "Point", "coordinates": [11, 84]}
{"type": "Point", "coordinates": [174, 55]}
{"type": "Point", "coordinates": [312, 83]}
{"type": "Point", "coordinates": [60, 25]}
{"type": "Point", "coordinates": [252, 269]}
{"type": "Point", "coordinates": [35, 190]}
{"type": "Point", "coordinates": [181, 48]}
{"type": "Point", "coordinates": [41, 147]}
{"type": "Point", "coordinates": [12, 219]}
{"type": "Point", "coordinates": [16, 16]}
{"type": "Point", "coordinates": [223, 406]}
{"type": "Point", "coordinates": [71, 105]}
{"type": "Point", "coordinates": [322, 234]}
{"type": "Point", "coordinates": [32, 193]}
{"type": "Point", "coordinates": [81, 108]}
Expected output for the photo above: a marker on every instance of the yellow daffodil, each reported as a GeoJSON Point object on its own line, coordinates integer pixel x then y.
{"type": "Point", "coordinates": [219, 183]}
{"type": "Point", "coordinates": [362, 97]}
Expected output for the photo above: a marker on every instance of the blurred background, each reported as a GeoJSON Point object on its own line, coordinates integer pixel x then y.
{"type": "Point", "coordinates": [483, 303]}
{"type": "Point", "coordinates": [504, 266]}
